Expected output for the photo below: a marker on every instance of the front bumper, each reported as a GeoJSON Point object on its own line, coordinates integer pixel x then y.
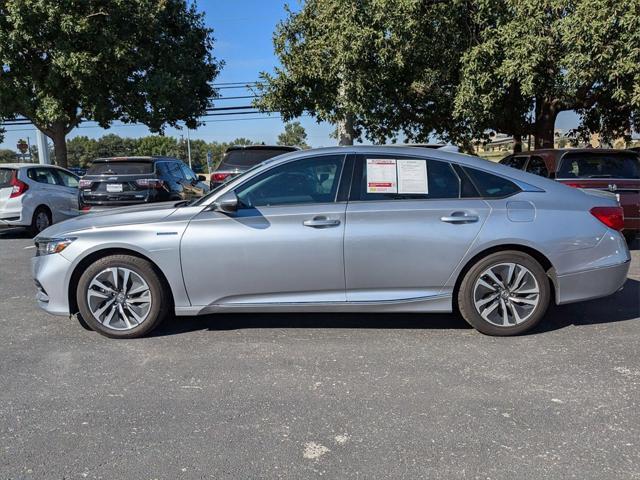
{"type": "Point", "coordinates": [52, 274]}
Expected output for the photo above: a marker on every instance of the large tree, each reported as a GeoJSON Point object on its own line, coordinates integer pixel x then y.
{"type": "Point", "coordinates": [294, 134]}
{"type": "Point", "coordinates": [372, 67]}
{"type": "Point", "coordinates": [551, 56]}
{"type": "Point", "coordinates": [62, 61]}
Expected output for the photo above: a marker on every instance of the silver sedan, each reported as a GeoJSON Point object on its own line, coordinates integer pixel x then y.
{"type": "Point", "coordinates": [350, 229]}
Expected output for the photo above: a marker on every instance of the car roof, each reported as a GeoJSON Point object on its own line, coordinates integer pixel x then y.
{"type": "Point", "coordinates": [25, 164]}
{"type": "Point", "coordinates": [287, 148]}
{"type": "Point", "coordinates": [152, 158]}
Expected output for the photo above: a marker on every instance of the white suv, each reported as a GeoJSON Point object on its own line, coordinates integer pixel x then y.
{"type": "Point", "coordinates": [36, 196]}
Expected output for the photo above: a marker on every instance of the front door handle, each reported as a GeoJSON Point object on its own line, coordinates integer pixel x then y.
{"type": "Point", "coordinates": [460, 217]}
{"type": "Point", "coordinates": [321, 222]}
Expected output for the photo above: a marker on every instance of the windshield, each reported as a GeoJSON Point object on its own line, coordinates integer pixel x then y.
{"type": "Point", "coordinates": [599, 165]}
{"type": "Point", "coordinates": [244, 158]}
{"type": "Point", "coordinates": [120, 167]}
{"type": "Point", "coordinates": [202, 200]}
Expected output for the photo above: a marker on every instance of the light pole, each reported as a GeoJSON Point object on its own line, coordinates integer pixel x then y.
{"type": "Point", "coordinates": [188, 147]}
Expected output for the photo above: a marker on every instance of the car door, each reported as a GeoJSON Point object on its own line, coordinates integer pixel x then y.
{"type": "Point", "coordinates": [407, 227]}
{"type": "Point", "coordinates": [67, 189]}
{"type": "Point", "coordinates": [46, 191]}
{"type": "Point", "coordinates": [283, 246]}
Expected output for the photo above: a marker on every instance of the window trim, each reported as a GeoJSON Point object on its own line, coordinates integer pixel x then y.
{"type": "Point", "coordinates": [343, 158]}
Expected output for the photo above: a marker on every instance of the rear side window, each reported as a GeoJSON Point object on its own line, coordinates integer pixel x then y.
{"type": "Point", "coordinates": [5, 177]}
{"type": "Point", "coordinates": [385, 178]}
{"type": "Point", "coordinates": [489, 185]}
{"type": "Point", "coordinates": [599, 165]}
{"type": "Point", "coordinates": [515, 162]}
{"type": "Point", "coordinates": [43, 175]}
{"type": "Point", "coordinates": [537, 167]}
{"type": "Point", "coordinates": [247, 158]}
{"type": "Point", "coordinates": [120, 168]}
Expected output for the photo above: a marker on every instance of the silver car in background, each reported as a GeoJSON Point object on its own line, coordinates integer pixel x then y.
{"type": "Point", "coordinates": [36, 196]}
{"type": "Point", "coordinates": [346, 229]}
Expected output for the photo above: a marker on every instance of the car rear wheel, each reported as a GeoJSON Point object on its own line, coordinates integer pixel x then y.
{"type": "Point", "coordinates": [505, 293]}
{"type": "Point", "coordinates": [121, 296]}
{"type": "Point", "coordinates": [41, 220]}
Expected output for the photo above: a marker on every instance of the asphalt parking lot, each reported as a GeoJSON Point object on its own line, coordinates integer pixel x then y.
{"type": "Point", "coordinates": [300, 396]}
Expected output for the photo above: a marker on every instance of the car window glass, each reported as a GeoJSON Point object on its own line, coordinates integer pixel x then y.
{"type": "Point", "coordinates": [515, 162]}
{"type": "Point", "coordinates": [489, 185]}
{"type": "Point", "coordinates": [537, 167]}
{"type": "Point", "coordinates": [120, 167]}
{"type": "Point", "coordinates": [66, 179]}
{"type": "Point", "coordinates": [188, 173]}
{"type": "Point", "coordinates": [6, 174]}
{"type": "Point", "coordinates": [433, 179]}
{"type": "Point", "coordinates": [599, 165]}
{"type": "Point", "coordinates": [175, 170]}
{"type": "Point", "coordinates": [310, 180]}
{"type": "Point", "coordinates": [42, 175]}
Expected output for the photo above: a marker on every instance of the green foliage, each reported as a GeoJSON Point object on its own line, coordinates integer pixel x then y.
{"type": "Point", "coordinates": [294, 135]}
{"type": "Point", "coordinates": [142, 61]}
{"type": "Point", "coordinates": [459, 68]}
{"type": "Point", "coordinates": [8, 156]}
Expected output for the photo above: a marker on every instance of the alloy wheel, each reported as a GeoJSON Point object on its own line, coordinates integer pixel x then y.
{"type": "Point", "coordinates": [119, 298]}
{"type": "Point", "coordinates": [506, 294]}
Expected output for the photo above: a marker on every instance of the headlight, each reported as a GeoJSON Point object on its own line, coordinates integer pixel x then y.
{"type": "Point", "coordinates": [47, 246]}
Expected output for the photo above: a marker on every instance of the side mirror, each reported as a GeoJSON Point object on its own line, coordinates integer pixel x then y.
{"type": "Point", "coordinates": [227, 203]}
{"type": "Point", "coordinates": [202, 178]}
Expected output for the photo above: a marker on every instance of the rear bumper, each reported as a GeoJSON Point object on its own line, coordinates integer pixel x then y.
{"type": "Point", "coordinates": [590, 284]}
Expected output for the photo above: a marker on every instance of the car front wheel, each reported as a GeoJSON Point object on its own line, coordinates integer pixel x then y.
{"type": "Point", "coordinates": [121, 296]}
{"type": "Point", "coordinates": [505, 293]}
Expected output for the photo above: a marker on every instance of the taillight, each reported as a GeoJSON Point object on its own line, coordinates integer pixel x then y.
{"type": "Point", "coordinates": [150, 183]}
{"type": "Point", "coordinates": [612, 217]}
{"type": "Point", "coordinates": [572, 184]}
{"type": "Point", "coordinates": [219, 177]}
{"type": "Point", "coordinates": [84, 183]}
{"type": "Point", "coordinates": [19, 187]}
{"type": "Point", "coordinates": [85, 208]}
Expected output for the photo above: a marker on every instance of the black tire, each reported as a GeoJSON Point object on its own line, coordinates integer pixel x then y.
{"type": "Point", "coordinates": [82, 323]}
{"type": "Point", "coordinates": [143, 268]}
{"type": "Point", "coordinates": [466, 304]}
{"type": "Point", "coordinates": [37, 225]}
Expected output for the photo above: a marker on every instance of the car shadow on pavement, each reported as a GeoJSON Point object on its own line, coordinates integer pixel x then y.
{"type": "Point", "coordinates": [15, 233]}
{"type": "Point", "coordinates": [234, 321]}
{"type": "Point", "coordinates": [623, 305]}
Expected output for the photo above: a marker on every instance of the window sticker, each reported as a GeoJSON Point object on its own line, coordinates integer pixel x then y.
{"type": "Point", "coordinates": [412, 176]}
{"type": "Point", "coordinates": [381, 175]}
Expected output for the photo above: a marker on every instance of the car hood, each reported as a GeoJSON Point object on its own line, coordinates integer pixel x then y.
{"type": "Point", "coordinates": [146, 213]}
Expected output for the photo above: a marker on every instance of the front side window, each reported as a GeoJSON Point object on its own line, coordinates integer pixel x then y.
{"type": "Point", "coordinates": [518, 162]}
{"type": "Point", "coordinates": [188, 173]}
{"type": "Point", "coordinates": [489, 185]}
{"type": "Point", "coordinates": [380, 177]}
{"type": "Point", "coordinates": [310, 180]}
{"type": "Point", "coordinates": [66, 179]}
{"type": "Point", "coordinates": [175, 171]}
{"type": "Point", "coordinates": [538, 167]}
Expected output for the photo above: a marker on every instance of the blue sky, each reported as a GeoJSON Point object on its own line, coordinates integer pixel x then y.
{"type": "Point", "coordinates": [243, 30]}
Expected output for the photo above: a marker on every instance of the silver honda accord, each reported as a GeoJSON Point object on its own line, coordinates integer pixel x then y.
{"type": "Point", "coordinates": [346, 229]}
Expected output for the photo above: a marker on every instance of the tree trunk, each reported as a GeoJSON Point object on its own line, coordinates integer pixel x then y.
{"type": "Point", "coordinates": [517, 143]}
{"type": "Point", "coordinates": [545, 123]}
{"type": "Point", "coordinates": [346, 133]}
{"type": "Point", "coordinates": [59, 137]}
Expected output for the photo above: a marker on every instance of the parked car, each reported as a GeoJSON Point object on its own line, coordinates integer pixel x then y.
{"type": "Point", "coordinates": [240, 158]}
{"type": "Point", "coordinates": [346, 229]}
{"type": "Point", "coordinates": [78, 171]}
{"type": "Point", "coordinates": [616, 171]}
{"type": "Point", "coordinates": [36, 196]}
{"type": "Point", "coordinates": [121, 181]}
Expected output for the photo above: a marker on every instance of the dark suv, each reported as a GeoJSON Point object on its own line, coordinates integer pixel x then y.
{"type": "Point", "coordinates": [120, 181]}
{"type": "Point", "coordinates": [240, 158]}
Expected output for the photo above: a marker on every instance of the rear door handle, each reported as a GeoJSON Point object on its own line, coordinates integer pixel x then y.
{"type": "Point", "coordinates": [460, 217]}
{"type": "Point", "coordinates": [321, 222]}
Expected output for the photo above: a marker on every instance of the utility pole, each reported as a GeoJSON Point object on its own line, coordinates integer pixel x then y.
{"type": "Point", "coordinates": [189, 147]}
{"type": "Point", "coordinates": [43, 148]}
